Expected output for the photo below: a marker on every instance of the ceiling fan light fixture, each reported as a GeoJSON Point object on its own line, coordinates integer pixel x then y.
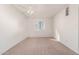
{"type": "Point", "coordinates": [30, 11]}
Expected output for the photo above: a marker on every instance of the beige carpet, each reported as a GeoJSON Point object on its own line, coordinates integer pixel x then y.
{"type": "Point", "coordinates": [39, 46]}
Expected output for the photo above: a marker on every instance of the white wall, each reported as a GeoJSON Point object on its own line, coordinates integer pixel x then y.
{"type": "Point", "coordinates": [13, 27]}
{"type": "Point", "coordinates": [66, 27]}
{"type": "Point", "coordinates": [47, 32]}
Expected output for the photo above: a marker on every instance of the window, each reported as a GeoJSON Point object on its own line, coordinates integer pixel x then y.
{"type": "Point", "coordinates": [40, 25]}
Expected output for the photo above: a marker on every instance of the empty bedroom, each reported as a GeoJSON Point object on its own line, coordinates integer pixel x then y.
{"type": "Point", "coordinates": [39, 29]}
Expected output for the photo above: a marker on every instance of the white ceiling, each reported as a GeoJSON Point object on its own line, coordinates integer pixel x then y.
{"type": "Point", "coordinates": [40, 10]}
